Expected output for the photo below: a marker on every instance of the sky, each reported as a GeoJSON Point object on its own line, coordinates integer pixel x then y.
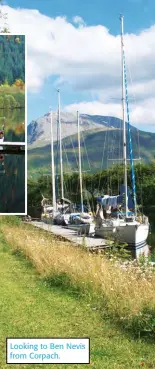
{"type": "Point", "coordinates": [76, 47]}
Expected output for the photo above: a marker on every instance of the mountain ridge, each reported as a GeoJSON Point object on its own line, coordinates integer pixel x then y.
{"type": "Point", "coordinates": [39, 129]}
{"type": "Point", "coordinates": [99, 143]}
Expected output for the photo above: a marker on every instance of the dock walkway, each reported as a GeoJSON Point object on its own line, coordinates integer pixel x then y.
{"type": "Point", "coordinates": [90, 241]}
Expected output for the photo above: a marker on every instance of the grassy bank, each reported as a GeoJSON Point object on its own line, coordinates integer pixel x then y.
{"type": "Point", "coordinates": [125, 294]}
{"type": "Point", "coordinates": [35, 307]}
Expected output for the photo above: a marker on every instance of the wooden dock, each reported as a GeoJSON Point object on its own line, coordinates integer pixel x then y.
{"type": "Point", "coordinates": [90, 241]}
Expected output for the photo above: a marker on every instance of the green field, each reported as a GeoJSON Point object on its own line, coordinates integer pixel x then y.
{"type": "Point", "coordinates": [32, 307]}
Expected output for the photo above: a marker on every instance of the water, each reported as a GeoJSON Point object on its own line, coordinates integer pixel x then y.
{"type": "Point", "coordinates": [151, 238]}
{"type": "Point", "coordinates": [14, 124]}
{"type": "Point", "coordinates": [150, 212]}
{"type": "Point", "coordinates": [12, 166]}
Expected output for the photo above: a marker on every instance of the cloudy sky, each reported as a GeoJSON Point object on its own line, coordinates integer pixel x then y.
{"type": "Point", "coordinates": [76, 47]}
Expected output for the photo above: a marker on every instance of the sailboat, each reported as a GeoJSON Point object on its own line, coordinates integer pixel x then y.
{"type": "Point", "coordinates": [63, 212]}
{"type": "Point", "coordinates": [125, 226]}
{"type": "Point", "coordinates": [80, 221]}
{"type": "Point", "coordinates": [52, 212]}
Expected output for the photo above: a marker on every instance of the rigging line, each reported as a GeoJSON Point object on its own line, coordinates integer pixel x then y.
{"type": "Point", "coordinates": [88, 200]}
{"type": "Point", "coordinates": [117, 151]}
{"type": "Point", "coordinates": [57, 159]}
{"type": "Point", "coordinates": [81, 135]}
{"type": "Point", "coordinates": [134, 102]}
{"type": "Point", "coordinates": [64, 151]}
{"type": "Point", "coordinates": [82, 153]}
{"type": "Point", "coordinates": [76, 159]}
{"type": "Point", "coordinates": [141, 187]}
{"type": "Point", "coordinates": [129, 133]}
{"type": "Point", "coordinates": [108, 172]}
{"type": "Point", "coordinates": [118, 155]}
{"type": "Point", "coordinates": [110, 156]}
{"type": "Point", "coordinates": [103, 155]}
{"type": "Point", "coordinates": [138, 139]}
{"type": "Point", "coordinates": [68, 184]}
{"type": "Point", "coordinates": [112, 151]}
{"type": "Point", "coordinates": [85, 150]}
{"type": "Point", "coordinates": [120, 150]}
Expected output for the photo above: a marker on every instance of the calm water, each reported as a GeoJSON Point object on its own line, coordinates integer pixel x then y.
{"type": "Point", "coordinates": [152, 236]}
{"type": "Point", "coordinates": [12, 166]}
{"type": "Point", "coordinates": [14, 124]}
{"type": "Point", "coordinates": [151, 239]}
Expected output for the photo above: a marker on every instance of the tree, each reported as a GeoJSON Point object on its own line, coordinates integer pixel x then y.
{"type": "Point", "coordinates": [1, 102]}
{"type": "Point", "coordinates": [17, 40]}
{"type": "Point", "coordinates": [12, 102]}
{"type": "Point", "coordinates": [12, 57]}
{"type": "Point", "coordinates": [19, 83]}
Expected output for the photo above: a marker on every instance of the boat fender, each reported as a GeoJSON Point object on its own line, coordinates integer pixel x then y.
{"type": "Point", "coordinates": [139, 219]}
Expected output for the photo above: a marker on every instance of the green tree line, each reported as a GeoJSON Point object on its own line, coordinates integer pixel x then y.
{"type": "Point", "coordinates": [9, 101]}
{"type": "Point", "coordinates": [107, 181]}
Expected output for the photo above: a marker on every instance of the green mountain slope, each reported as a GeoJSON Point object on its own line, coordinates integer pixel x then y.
{"type": "Point", "coordinates": [98, 148]}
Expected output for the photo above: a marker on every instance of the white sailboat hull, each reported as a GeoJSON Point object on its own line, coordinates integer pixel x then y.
{"type": "Point", "coordinates": [133, 234]}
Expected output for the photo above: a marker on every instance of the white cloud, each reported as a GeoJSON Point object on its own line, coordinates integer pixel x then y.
{"type": "Point", "coordinates": [139, 114]}
{"type": "Point", "coordinates": [88, 58]}
{"type": "Point", "coordinates": [79, 21]}
{"type": "Point", "coordinates": [95, 108]}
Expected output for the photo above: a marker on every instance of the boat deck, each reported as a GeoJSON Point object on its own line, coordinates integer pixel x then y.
{"type": "Point", "coordinates": [90, 241]}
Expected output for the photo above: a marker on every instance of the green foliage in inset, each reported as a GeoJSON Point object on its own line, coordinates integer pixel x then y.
{"type": "Point", "coordinates": [11, 100]}
{"type": "Point", "coordinates": [12, 59]}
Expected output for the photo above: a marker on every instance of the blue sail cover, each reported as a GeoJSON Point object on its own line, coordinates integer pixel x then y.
{"type": "Point", "coordinates": [116, 200]}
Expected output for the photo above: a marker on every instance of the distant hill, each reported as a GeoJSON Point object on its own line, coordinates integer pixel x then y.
{"type": "Point", "coordinates": [101, 142]}
{"type": "Point", "coordinates": [39, 130]}
{"type": "Point", "coordinates": [97, 153]}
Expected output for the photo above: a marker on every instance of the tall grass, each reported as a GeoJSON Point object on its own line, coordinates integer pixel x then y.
{"type": "Point", "coordinates": [126, 294]}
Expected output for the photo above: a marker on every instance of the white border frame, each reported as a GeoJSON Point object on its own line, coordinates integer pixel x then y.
{"type": "Point", "coordinates": [22, 34]}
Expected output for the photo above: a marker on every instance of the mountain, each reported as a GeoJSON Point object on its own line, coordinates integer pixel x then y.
{"type": "Point", "coordinates": [39, 131]}
{"type": "Point", "coordinates": [101, 142]}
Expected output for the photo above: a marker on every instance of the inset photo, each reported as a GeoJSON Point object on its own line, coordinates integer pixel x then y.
{"type": "Point", "coordinates": [12, 125]}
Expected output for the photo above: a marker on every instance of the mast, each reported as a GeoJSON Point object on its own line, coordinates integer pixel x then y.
{"type": "Point", "coordinates": [124, 125]}
{"type": "Point", "coordinates": [52, 166]}
{"type": "Point", "coordinates": [60, 146]}
{"type": "Point", "coordinates": [80, 171]}
{"type": "Point", "coordinates": [57, 160]}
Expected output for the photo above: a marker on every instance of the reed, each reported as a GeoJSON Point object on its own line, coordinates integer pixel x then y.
{"type": "Point", "coordinates": [124, 292]}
